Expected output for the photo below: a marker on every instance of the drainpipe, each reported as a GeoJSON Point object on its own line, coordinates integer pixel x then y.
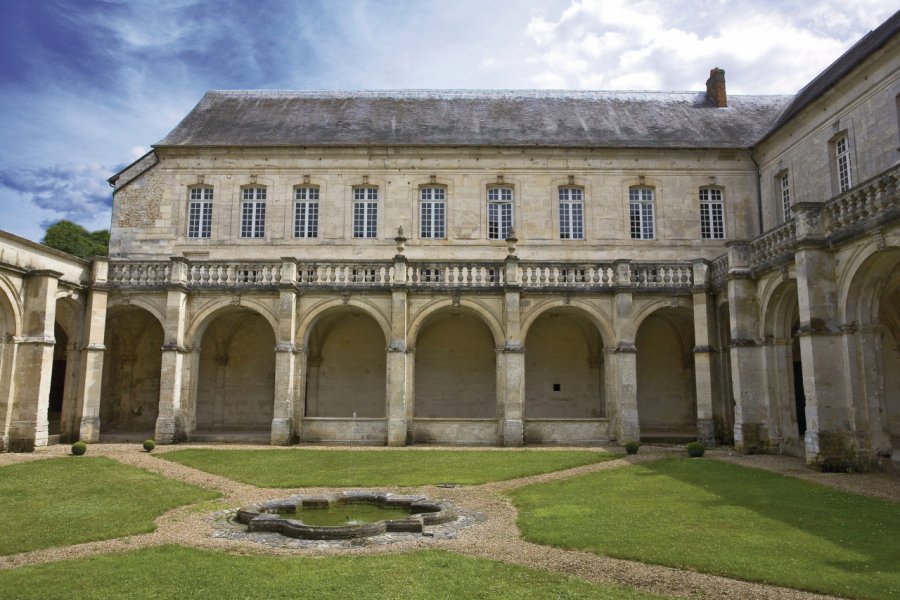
{"type": "Point", "coordinates": [759, 210]}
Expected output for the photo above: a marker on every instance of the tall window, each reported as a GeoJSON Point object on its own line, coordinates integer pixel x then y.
{"type": "Point", "coordinates": [200, 212]}
{"type": "Point", "coordinates": [365, 212]}
{"type": "Point", "coordinates": [306, 212]}
{"type": "Point", "coordinates": [500, 212]}
{"type": "Point", "coordinates": [253, 213]}
{"type": "Point", "coordinates": [712, 214]}
{"type": "Point", "coordinates": [640, 209]}
{"type": "Point", "coordinates": [571, 213]}
{"type": "Point", "coordinates": [784, 185]}
{"type": "Point", "coordinates": [842, 156]}
{"type": "Point", "coordinates": [432, 211]}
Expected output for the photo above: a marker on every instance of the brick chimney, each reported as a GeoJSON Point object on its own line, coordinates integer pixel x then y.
{"type": "Point", "coordinates": [715, 87]}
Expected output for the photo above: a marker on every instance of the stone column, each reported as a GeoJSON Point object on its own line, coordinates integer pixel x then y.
{"type": "Point", "coordinates": [704, 321]}
{"type": "Point", "coordinates": [511, 364]}
{"type": "Point", "coordinates": [92, 353]}
{"type": "Point", "coordinates": [28, 425]}
{"type": "Point", "coordinates": [830, 423]}
{"type": "Point", "coordinates": [398, 395]}
{"type": "Point", "coordinates": [865, 344]}
{"type": "Point", "coordinates": [283, 425]}
{"type": "Point", "coordinates": [623, 358]}
{"type": "Point", "coordinates": [750, 429]}
{"type": "Point", "coordinates": [170, 422]}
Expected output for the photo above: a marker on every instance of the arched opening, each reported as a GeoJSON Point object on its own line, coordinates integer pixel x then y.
{"type": "Point", "coordinates": [129, 400]}
{"type": "Point", "coordinates": [57, 381]}
{"type": "Point", "coordinates": [564, 380]}
{"type": "Point", "coordinates": [455, 380]}
{"type": "Point", "coordinates": [873, 309]}
{"type": "Point", "coordinates": [7, 349]}
{"type": "Point", "coordinates": [346, 379]}
{"type": "Point", "coordinates": [236, 378]}
{"type": "Point", "coordinates": [666, 398]}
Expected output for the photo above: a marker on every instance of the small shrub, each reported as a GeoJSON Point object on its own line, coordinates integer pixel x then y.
{"type": "Point", "coordinates": [149, 445]}
{"type": "Point", "coordinates": [632, 447]}
{"type": "Point", "coordinates": [79, 448]}
{"type": "Point", "coordinates": [695, 449]}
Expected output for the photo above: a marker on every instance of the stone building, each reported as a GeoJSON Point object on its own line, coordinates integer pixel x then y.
{"type": "Point", "coordinates": [503, 268]}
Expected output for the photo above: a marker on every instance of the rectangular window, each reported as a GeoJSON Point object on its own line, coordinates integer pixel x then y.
{"type": "Point", "coordinates": [500, 212]}
{"type": "Point", "coordinates": [571, 214]}
{"type": "Point", "coordinates": [200, 212]}
{"type": "Point", "coordinates": [253, 213]}
{"type": "Point", "coordinates": [432, 211]}
{"type": "Point", "coordinates": [785, 185]}
{"type": "Point", "coordinates": [842, 155]}
{"type": "Point", "coordinates": [306, 212]}
{"type": "Point", "coordinates": [640, 207]}
{"type": "Point", "coordinates": [712, 215]}
{"type": "Point", "coordinates": [365, 212]}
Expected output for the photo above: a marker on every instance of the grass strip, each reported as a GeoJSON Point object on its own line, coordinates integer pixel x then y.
{"type": "Point", "coordinates": [62, 501]}
{"type": "Point", "coordinates": [720, 518]}
{"type": "Point", "coordinates": [342, 468]}
{"type": "Point", "coordinates": [176, 572]}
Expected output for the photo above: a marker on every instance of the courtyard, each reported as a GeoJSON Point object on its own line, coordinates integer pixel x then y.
{"type": "Point", "coordinates": [556, 523]}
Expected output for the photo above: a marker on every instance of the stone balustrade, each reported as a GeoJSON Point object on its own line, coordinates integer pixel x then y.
{"type": "Point", "coordinates": [863, 204]}
{"type": "Point", "coordinates": [773, 247]}
{"type": "Point", "coordinates": [381, 274]}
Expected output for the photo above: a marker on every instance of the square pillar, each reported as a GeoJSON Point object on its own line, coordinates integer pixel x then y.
{"type": "Point", "coordinates": [399, 396]}
{"type": "Point", "coordinates": [511, 361]}
{"type": "Point", "coordinates": [623, 358]}
{"type": "Point", "coordinates": [28, 425]}
{"type": "Point", "coordinates": [283, 426]}
{"type": "Point", "coordinates": [704, 322]}
{"type": "Point", "coordinates": [92, 354]}
{"type": "Point", "coordinates": [170, 422]}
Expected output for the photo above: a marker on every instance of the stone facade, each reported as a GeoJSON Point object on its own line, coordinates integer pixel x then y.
{"type": "Point", "coordinates": [721, 268]}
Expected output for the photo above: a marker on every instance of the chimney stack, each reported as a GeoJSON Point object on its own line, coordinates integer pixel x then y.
{"type": "Point", "coordinates": [715, 87]}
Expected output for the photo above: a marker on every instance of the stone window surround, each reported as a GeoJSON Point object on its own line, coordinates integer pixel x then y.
{"type": "Point", "coordinates": [368, 185]}
{"type": "Point", "coordinates": [318, 217]}
{"type": "Point", "coordinates": [652, 203]}
{"type": "Point", "coordinates": [784, 195]}
{"type": "Point", "coordinates": [255, 194]}
{"type": "Point", "coordinates": [205, 221]}
{"type": "Point", "coordinates": [842, 134]}
{"type": "Point", "coordinates": [434, 184]}
{"type": "Point", "coordinates": [709, 201]}
{"type": "Point", "coordinates": [560, 201]}
{"type": "Point", "coordinates": [500, 183]}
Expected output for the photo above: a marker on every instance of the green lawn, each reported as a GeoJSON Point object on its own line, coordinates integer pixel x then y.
{"type": "Point", "coordinates": [176, 572]}
{"type": "Point", "coordinates": [341, 468]}
{"type": "Point", "coordinates": [62, 501]}
{"type": "Point", "coordinates": [720, 518]}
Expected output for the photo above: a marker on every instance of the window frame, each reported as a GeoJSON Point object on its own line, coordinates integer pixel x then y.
{"type": "Point", "coordinates": [500, 211]}
{"type": "Point", "coordinates": [364, 221]}
{"type": "Point", "coordinates": [199, 212]}
{"type": "Point", "coordinates": [568, 228]}
{"type": "Point", "coordinates": [712, 212]}
{"type": "Point", "coordinates": [642, 212]}
{"type": "Point", "coordinates": [434, 227]}
{"type": "Point", "coordinates": [783, 187]}
{"type": "Point", "coordinates": [253, 212]}
{"type": "Point", "coordinates": [842, 162]}
{"type": "Point", "coordinates": [307, 226]}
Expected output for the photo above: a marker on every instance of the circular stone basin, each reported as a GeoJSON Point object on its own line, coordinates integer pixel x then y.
{"type": "Point", "coordinates": [311, 517]}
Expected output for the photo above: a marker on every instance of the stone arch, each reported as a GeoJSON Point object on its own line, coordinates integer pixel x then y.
{"type": "Point", "coordinates": [326, 307]}
{"type": "Point", "coordinates": [212, 310]}
{"type": "Point", "coordinates": [471, 307]}
{"type": "Point", "coordinates": [587, 309]}
{"type": "Point", "coordinates": [63, 397]}
{"type": "Point", "coordinates": [143, 302]}
{"type": "Point", "coordinates": [646, 309]}
{"type": "Point", "coordinates": [10, 309]}
{"type": "Point", "coordinates": [871, 302]}
{"type": "Point", "coordinates": [666, 397]}
{"type": "Point", "coordinates": [10, 328]}
{"type": "Point", "coordinates": [784, 370]}
{"type": "Point", "coordinates": [564, 376]}
{"type": "Point", "coordinates": [235, 381]}
{"type": "Point", "coordinates": [455, 364]}
{"type": "Point", "coordinates": [346, 363]}
{"type": "Point", "coordinates": [129, 398]}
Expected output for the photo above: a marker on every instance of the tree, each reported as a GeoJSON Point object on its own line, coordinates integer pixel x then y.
{"type": "Point", "coordinates": [73, 238]}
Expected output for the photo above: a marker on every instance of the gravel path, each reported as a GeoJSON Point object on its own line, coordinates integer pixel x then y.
{"type": "Point", "coordinates": [496, 538]}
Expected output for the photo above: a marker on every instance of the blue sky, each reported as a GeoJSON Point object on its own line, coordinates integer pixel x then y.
{"type": "Point", "coordinates": [86, 86]}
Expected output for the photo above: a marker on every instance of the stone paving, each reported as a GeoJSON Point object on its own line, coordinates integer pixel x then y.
{"type": "Point", "coordinates": [488, 529]}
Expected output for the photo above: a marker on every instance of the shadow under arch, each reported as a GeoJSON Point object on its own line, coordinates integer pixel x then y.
{"type": "Point", "coordinates": [129, 398]}
{"type": "Point", "coordinates": [666, 396]}
{"type": "Point", "coordinates": [235, 374]}
{"type": "Point", "coordinates": [346, 363]}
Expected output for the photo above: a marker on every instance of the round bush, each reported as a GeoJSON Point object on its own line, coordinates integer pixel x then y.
{"type": "Point", "coordinates": [79, 448]}
{"type": "Point", "coordinates": [632, 447]}
{"type": "Point", "coordinates": [695, 449]}
{"type": "Point", "coordinates": [149, 445]}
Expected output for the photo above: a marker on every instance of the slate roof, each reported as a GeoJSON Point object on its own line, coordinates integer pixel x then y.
{"type": "Point", "coordinates": [475, 118]}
